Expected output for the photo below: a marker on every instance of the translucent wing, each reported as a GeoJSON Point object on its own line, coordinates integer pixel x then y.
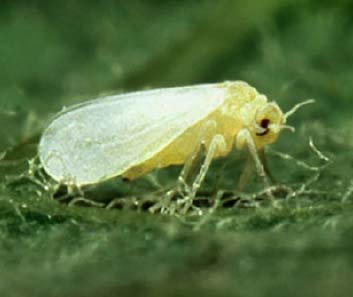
{"type": "Point", "coordinates": [100, 139]}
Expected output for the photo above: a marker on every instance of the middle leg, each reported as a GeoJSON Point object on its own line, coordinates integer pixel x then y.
{"type": "Point", "coordinates": [217, 144]}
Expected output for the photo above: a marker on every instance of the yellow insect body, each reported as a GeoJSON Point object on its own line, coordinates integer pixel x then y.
{"type": "Point", "coordinates": [132, 134]}
{"type": "Point", "coordinates": [236, 112]}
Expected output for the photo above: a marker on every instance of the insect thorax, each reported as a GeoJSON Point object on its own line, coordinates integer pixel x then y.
{"type": "Point", "coordinates": [242, 102]}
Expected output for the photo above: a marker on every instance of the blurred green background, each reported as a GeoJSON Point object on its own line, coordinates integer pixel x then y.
{"type": "Point", "coordinates": [57, 53]}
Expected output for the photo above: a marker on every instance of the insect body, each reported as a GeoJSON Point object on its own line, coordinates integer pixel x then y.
{"type": "Point", "coordinates": [129, 135]}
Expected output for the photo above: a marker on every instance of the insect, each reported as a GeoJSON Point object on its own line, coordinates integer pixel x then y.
{"type": "Point", "coordinates": [131, 134]}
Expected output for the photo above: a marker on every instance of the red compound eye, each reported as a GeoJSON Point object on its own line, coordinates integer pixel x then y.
{"type": "Point", "coordinates": [264, 124]}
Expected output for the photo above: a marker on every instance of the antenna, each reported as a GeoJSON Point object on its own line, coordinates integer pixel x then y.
{"type": "Point", "coordinates": [296, 107]}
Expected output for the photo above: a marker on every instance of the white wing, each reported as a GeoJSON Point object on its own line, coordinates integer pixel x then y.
{"type": "Point", "coordinates": [101, 139]}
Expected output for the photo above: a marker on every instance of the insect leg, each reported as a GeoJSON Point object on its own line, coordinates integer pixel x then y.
{"type": "Point", "coordinates": [256, 158]}
{"type": "Point", "coordinates": [217, 143]}
{"type": "Point", "coordinates": [193, 163]}
{"type": "Point", "coordinates": [191, 166]}
{"type": "Point", "coordinates": [246, 173]}
{"type": "Point", "coordinates": [188, 174]}
{"type": "Point", "coordinates": [263, 159]}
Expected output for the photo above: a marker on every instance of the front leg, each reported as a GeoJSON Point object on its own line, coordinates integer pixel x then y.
{"type": "Point", "coordinates": [246, 174]}
{"type": "Point", "coordinates": [263, 159]}
{"type": "Point", "coordinates": [244, 138]}
{"type": "Point", "coordinates": [249, 168]}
